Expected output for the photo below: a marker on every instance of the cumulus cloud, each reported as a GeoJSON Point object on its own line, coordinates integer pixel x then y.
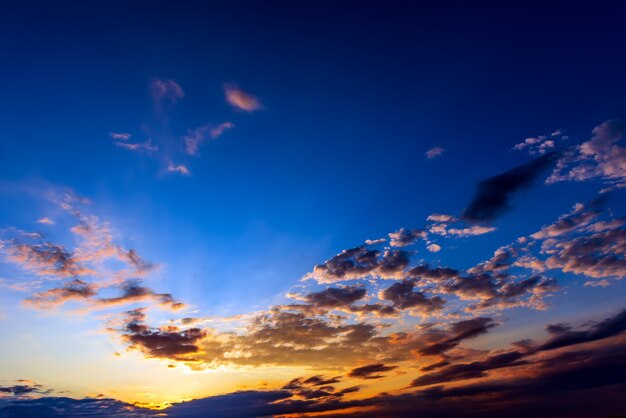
{"type": "Point", "coordinates": [240, 99]}
{"type": "Point", "coordinates": [405, 237]}
{"type": "Point", "coordinates": [402, 296]}
{"type": "Point", "coordinates": [359, 263]}
{"type": "Point", "coordinates": [601, 157]}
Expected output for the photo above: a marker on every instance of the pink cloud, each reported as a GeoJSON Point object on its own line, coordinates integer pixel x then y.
{"type": "Point", "coordinates": [434, 152]}
{"type": "Point", "coordinates": [241, 100]}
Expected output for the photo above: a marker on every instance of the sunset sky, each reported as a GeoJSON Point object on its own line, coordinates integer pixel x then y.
{"type": "Point", "coordinates": [298, 208]}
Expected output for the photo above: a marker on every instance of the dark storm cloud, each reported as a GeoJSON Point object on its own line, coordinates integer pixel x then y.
{"type": "Point", "coordinates": [493, 195]}
{"type": "Point", "coordinates": [371, 371]}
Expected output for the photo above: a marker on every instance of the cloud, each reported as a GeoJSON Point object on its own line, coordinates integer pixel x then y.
{"type": "Point", "coordinates": [241, 100]}
{"type": "Point", "coordinates": [168, 342]}
{"type": "Point", "coordinates": [359, 263]}
{"type": "Point", "coordinates": [73, 290]}
{"type": "Point", "coordinates": [434, 152]}
{"type": "Point", "coordinates": [494, 194]}
{"type": "Point", "coordinates": [405, 237]}
{"type": "Point", "coordinates": [178, 169]}
{"type": "Point", "coordinates": [146, 146]}
{"type": "Point", "coordinates": [471, 370]}
{"type": "Point", "coordinates": [333, 297]}
{"type": "Point", "coordinates": [433, 248]}
{"type": "Point", "coordinates": [23, 389]}
{"type": "Point", "coordinates": [402, 296]}
{"type": "Point", "coordinates": [541, 144]}
{"type": "Point", "coordinates": [440, 225]}
{"type": "Point", "coordinates": [458, 332]}
{"type": "Point", "coordinates": [64, 407]}
{"type": "Point", "coordinates": [120, 136]}
{"type": "Point", "coordinates": [195, 136]}
{"type": "Point", "coordinates": [45, 221]}
{"type": "Point", "coordinates": [600, 157]}
{"type": "Point", "coordinates": [166, 89]}
{"type": "Point", "coordinates": [371, 371]}
{"type": "Point", "coordinates": [563, 336]}
{"type": "Point", "coordinates": [132, 292]}
{"type": "Point", "coordinates": [44, 258]}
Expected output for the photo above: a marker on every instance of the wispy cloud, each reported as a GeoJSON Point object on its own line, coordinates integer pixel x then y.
{"type": "Point", "coordinates": [166, 89]}
{"type": "Point", "coordinates": [46, 221]}
{"type": "Point", "coordinates": [120, 136]}
{"type": "Point", "coordinates": [434, 152]}
{"type": "Point", "coordinates": [146, 146]}
{"type": "Point", "coordinates": [240, 99]}
{"type": "Point", "coordinates": [178, 169]}
{"type": "Point", "coordinates": [195, 136]}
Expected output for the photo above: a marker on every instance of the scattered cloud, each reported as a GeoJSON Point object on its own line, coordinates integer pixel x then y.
{"type": "Point", "coordinates": [45, 221]}
{"type": "Point", "coordinates": [541, 144]}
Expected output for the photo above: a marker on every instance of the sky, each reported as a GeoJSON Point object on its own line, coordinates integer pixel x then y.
{"type": "Point", "coordinates": [376, 209]}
